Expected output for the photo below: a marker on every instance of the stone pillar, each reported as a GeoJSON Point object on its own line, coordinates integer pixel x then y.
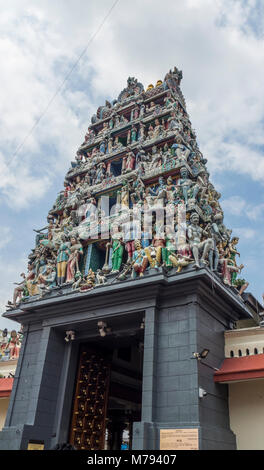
{"type": "Point", "coordinates": [184, 324]}
{"type": "Point", "coordinates": [144, 432]}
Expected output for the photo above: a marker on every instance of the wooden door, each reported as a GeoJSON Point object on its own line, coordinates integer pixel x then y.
{"type": "Point", "coordinates": [88, 423]}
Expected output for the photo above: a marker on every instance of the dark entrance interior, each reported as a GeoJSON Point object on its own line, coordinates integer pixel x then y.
{"type": "Point", "coordinates": [108, 392]}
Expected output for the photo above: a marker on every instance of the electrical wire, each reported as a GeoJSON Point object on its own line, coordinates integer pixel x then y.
{"type": "Point", "coordinates": [62, 84]}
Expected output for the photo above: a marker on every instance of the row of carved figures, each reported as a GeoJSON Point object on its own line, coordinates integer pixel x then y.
{"type": "Point", "coordinates": [54, 264]}
{"type": "Point", "coordinates": [117, 121]}
{"type": "Point", "coordinates": [135, 91]}
{"type": "Point", "coordinates": [176, 190]}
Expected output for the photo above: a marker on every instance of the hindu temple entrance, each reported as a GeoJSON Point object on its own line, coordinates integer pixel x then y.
{"type": "Point", "coordinates": [108, 394]}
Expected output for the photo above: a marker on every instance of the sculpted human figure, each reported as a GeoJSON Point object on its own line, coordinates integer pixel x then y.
{"type": "Point", "coordinates": [170, 247]}
{"type": "Point", "coordinates": [133, 134]}
{"type": "Point", "coordinates": [158, 157]}
{"type": "Point", "coordinates": [232, 258]}
{"type": "Point", "coordinates": [185, 183]}
{"type": "Point", "coordinates": [117, 245]}
{"type": "Point", "coordinates": [100, 172]}
{"type": "Point", "coordinates": [12, 345]}
{"type": "Point", "coordinates": [131, 233]}
{"type": "Point", "coordinates": [170, 102]}
{"type": "Point", "coordinates": [150, 132]}
{"type": "Point", "coordinates": [170, 189]}
{"type": "Point", "coordinates": [47, 281]}
{"type": "Point", "coordinates": [141, 158]}
{"type": "Point", "coordinates": [117, 145]}
{"type": "Point", "coordinates": [214, 253]}
{"type": "Point", "coordinates": [151, 107]}
{"type": "Point", "coordinates": [158, 194]}
{"type": "Point", "coordinates": [89, 136]}
{"type": "Point", "coordinates": [19, 290]}
{"type": "Point", "coordinates": [195, 233]}
{"type": "Point", "coordinates": [110, 145]}
{"type": "Point", "coordinates": [134, 113]}
{"type": "Point", "coordinates": [141, 136]}
{"type": "Point", "coordinates": [174, 124]}
{"type": "Point", "coordinates": [104, 129]}
{"type": "Point", "coordinates": [157, 129]}
{"type": "Point", "coordinates": [44, 236]}
{"type": "Point", "coordinates": [102, 147]}
{"type": "Point", "coordinates": [62, 260]}
{"type": "Point", "coordinates": [181, 150]}
{"type": "Point", "coordinates": [111, 123]}
{"type": "Point", "coordinates": [123, 195]}
{"type": "Point", "coordinates": [228, 265]}
{"type": "Point", "coordinates": [128, 137]}
{"type": "Point", "coordinates": [138, 190]}
{"type": "Point", "coordinates": [142, 110]}
{"type": "Point", "coordinates": [76, 251]}
{"type": "Point", "coordinates": [140, 260]}
{"type": "Point", "coordinates": [128, 162]}
{"type": "Point", "coordinates": [30, 281]}
{"type": "Point", "coordinates": [154, 251]}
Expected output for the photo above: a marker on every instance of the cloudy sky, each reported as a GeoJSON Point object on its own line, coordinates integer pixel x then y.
{"type": "Point", "coordinates": [48, 96]}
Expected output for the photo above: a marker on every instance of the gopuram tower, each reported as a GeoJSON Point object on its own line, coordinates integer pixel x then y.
{"type": "Point", "coordinates": [132, 277]}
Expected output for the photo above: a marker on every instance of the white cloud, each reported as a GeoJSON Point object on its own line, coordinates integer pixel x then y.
{"type": "Point", "coordinates": [218, 45]}
{"type": "Point", "coordinates": [213, 42]}
{"type": "Point", "coordinates": [245, 233]}
{"type": "Point", "coordinates": [5, 236]}
{"type": "Point", "coordinates": [234, 205]}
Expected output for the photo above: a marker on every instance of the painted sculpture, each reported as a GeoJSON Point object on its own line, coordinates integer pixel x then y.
{"type": "Point", "coordinates": [138, 165]}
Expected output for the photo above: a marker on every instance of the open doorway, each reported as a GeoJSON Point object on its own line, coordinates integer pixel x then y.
{"type": "Point", "coordinates": [108, 393]}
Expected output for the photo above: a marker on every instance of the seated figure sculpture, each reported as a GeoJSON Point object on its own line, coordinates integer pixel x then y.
{"type": "Point", "coordinates": [187, 185]}
{"type": "Point", "coordinates": [195, 233]}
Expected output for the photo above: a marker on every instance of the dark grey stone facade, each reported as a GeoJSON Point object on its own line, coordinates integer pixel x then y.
{"type": "Point", "coordinates": [184, 313]}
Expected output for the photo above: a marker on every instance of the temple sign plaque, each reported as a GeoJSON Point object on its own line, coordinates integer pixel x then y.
{"type": "Point", "coordinates": [179, 439]}
{"type": "Point", "coordinates": [35, 445]}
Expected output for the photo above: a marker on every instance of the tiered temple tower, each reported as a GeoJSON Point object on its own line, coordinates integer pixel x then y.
{"type": "Point", "coordinates": [134, 273]}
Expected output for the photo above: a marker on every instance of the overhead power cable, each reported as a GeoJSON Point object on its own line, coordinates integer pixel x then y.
{"type": "Point", "coordinates": [62, 84]}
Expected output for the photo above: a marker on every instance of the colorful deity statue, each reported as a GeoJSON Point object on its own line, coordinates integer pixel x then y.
{"type": "Point", "coordinates": [188, 187]}
{"type": "Point", "coordinates": [158, 194]}
{"type": "Point", "coordinates": [131, 232]}
{"type": "Point", "coordinates": [128, 162]}
{"type": "Point", "coordinates": [62, 260]}
{"type": "Point", "coordinates": [137, 190]}
{"type": "Point", "coordinates": [150, 132]}
{"type": "Point", "coordinates": [19, 290]}
{"type": "Point", "coordinates": [180, 150]}
{"type": "Point", "coordinates": [139, 260]}
{"type": "Point", "coordinates": [195, 233]}
{"type": "Point", "coordinates": [141, 136]}
{"type": "Point", "coordinates": [170, 189]}
{"type": "Point", "coordinates": [214, 252]}
{"type": "Point", "coordinates": [133, 134]}
{"type": "Point", "coordinates": [170, 247]}
{"type": "Point", "coordinates": [13, 345]}
{"type": "Point", "coordinates": [47, 281]}
{"type": "Point", "coordinates": [76, 251]}
{"type": "Point", "coordinates": [123, 195]}
{"type": "Point", "coordinates": [133, 152]}
{"type": "Point", "coordinates": [158, 244]}
{"type": "Point", "coordinates": [158, 129]}
{"type": "Point", "coordinates": [117, 245]}
{"type": "Point", "coordinates": [174, 124]}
